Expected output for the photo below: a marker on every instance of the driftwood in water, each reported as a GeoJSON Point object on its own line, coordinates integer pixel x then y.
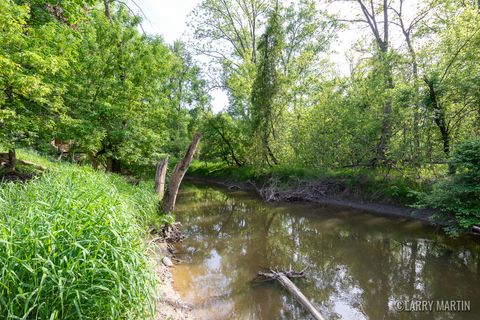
{"type": "Point", "coordinates": [160, 174]}
{"type": "Point", "coordinates": [283, 278]}
{"type": "Point", "coordinates": [272, 274]}
{"type": "Point", "coordinates": [178, 174]}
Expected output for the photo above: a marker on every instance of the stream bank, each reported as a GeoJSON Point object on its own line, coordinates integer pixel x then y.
{"type": "Point", "coordinates": [168, 304]}
{"type": "Point", "coordinates": [319, 193]}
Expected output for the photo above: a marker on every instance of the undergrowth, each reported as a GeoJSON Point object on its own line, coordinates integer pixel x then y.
{"type": "Point", "coordinates": [361, 183]}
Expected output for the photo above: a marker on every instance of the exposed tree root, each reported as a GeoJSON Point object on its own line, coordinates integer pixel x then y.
{"type": "Point", "coordinates": [169, 233]}
{"type": "Point", "coordinates": [172, 234]}
{"type": "Point", "coordinates": [272, 191]}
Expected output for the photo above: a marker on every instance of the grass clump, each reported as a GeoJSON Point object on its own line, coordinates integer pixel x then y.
{"type": "Point", "coordinates": [71, 247]}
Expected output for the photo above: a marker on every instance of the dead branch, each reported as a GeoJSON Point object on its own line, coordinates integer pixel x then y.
{"type": "Point", "coordinates": [160, 175]}
{"type": "Point", "coordinates": [284, 278]}
{"type": "Point", "coordinates": [179, 173]}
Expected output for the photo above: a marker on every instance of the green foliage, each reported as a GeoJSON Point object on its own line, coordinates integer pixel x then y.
{"type": "Point", "coordinates": [267, 72]}
{"type": "Point", "coordinates": [224, 139]}
{"type": "Point", "coordinates": [71, 246]}
{"type": "Point", "coordinates": [68, 72]}
{"type": "Point", "coordinates": [298, 109]}
{"type": "Point", "coordinates": [266, 87]}
{"type": "Point", "coordinates": [458, 196]}
{"type": "Point", "coordinates": [30, 60]}
{"type": "Point", "coordinates": [128, 93]}
{"type": "Point", "coordinates": [115, 109]}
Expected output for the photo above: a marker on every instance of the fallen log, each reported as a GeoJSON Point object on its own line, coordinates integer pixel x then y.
{"type": "Point", "coordinates": [476, 229]}
{"type": "Point", "coordinates": [283, 278]}
{"type": "Point", "coordinates": [36, 166]}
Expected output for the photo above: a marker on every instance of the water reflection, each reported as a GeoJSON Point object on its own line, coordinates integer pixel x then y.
{"type": "Point", "coordinates": [359, 264]}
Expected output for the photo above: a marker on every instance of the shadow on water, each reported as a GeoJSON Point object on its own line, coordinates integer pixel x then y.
{"type": "Point", "coordinates": [359, 264]}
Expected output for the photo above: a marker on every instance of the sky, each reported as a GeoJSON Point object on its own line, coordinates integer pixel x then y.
{"type": "Point", "coordinates": [165, 17]}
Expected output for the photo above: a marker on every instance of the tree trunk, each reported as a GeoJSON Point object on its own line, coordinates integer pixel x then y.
{"type": "Point", "coordinates": [272, 156]}
{"type": "Point", "coordinates": [12, 159]}
{"type": "Point", "coordinates": [416, 156]}
{"type": "Point", "coordinates": [113, 165]}
{"type": "Point", "coordinates": [94, 160]}
{"type": "Point", "coordinates": [179, 173]}
{"type": "Point", "coordinates": [416, 118]}
{"type": "Point", "coordinates": [387, 110]}
{"type": "Point", "coordinates": [299, 296]}
{"type": "Point", "coordinates": [160, 178]}
{"type": "Point", "coordinates": [106, 3]}
{"type": "Point", "coordinates": [229, 146]}
{"type": "Point", "coordinates": [416, 111]}
{"type": "Point", "coordinates": [439, 118]}
{"type": "Point", "coordinates": [383, 46]}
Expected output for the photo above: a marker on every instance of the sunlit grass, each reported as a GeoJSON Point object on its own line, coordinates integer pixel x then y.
{"type": "Point", "coordinates": [71, 246]}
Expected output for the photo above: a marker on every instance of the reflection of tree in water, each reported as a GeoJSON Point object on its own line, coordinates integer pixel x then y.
{"type": "Point", "coordinates": [358, 264]}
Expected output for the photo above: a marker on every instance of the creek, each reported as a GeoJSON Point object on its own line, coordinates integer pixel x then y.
{"type": "Point", "coordinates": [359, 264]}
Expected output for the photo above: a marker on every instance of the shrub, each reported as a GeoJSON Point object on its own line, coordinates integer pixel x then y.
{"type": "Point", "coordinates": [71, 247]}
{"type": "Point", "coordinates": [458, 196]}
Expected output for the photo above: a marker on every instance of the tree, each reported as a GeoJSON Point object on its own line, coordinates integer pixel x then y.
{"type": "Point", "coordinates": [267, 84]}
{"type": "Point", "coordinates": [297, 62]}
{"type": "Point", "coordinates": [227, 32]}
{"type": "Point", "coordinates": [451, 80]}
{"type": "Point", "coordinates": [187, 92]}
{"type": "Point", "coordinates": [224, 139]}
{"type": "Point", "coordinates": [33, 53]}
{"type": "Point", "coordinates": [409, 30]}
{"type": "Point", "coordinates": [128, 93]}
{"type": "Point", "coordinates": [376, 16]}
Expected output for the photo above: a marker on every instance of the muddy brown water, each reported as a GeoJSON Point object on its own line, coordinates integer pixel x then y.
{"type": "Point", "coordinates": [359, 265]}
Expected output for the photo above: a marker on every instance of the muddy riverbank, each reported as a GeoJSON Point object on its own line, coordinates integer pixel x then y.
{"type": "Point", "coordinates": [319, 194]}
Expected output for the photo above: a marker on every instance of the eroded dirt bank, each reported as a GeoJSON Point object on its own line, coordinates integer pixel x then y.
{"type": "Point", "coordinates": [321, 193]}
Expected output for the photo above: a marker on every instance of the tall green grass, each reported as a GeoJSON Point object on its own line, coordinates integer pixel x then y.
{"type": "Point", "coordinates": [71, 247]}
